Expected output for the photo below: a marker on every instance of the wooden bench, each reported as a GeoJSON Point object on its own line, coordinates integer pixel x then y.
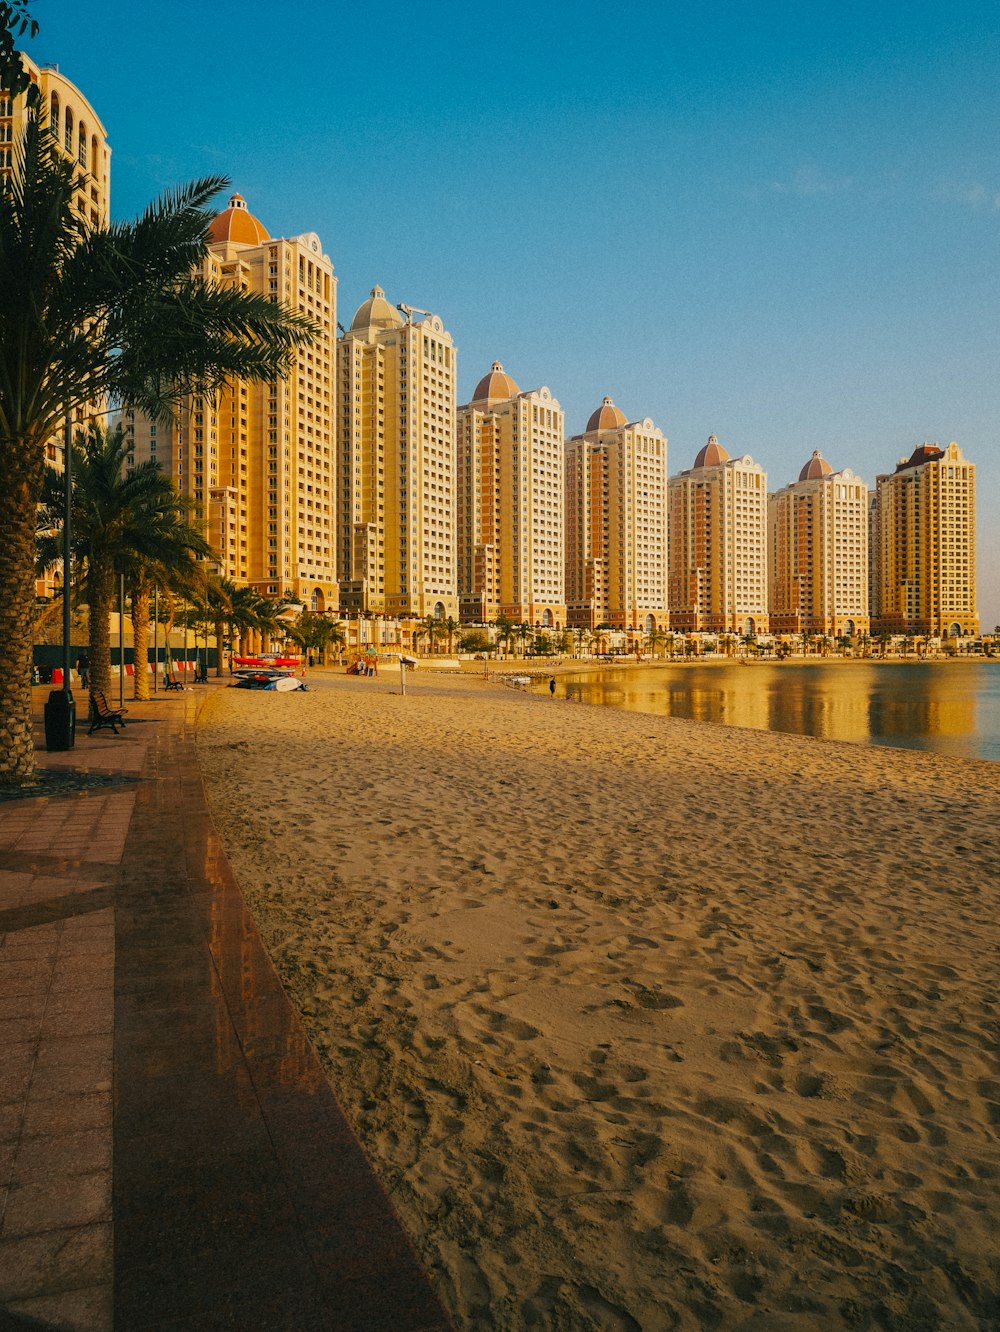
{"type": "Point", "coordinates": [102, 715]}
{"type": "Point", "coordinates": [171, 682]}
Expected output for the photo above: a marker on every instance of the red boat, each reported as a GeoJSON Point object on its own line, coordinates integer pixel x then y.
{"type": "Point", "coordinates": [267, 661]}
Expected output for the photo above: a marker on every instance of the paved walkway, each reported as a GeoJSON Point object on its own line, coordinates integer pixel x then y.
{"type": "Point", "coordinates": [171, 1154]}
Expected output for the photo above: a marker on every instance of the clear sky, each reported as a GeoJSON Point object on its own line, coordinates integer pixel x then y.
{"type": "Point", "coordinates": [775, 222]}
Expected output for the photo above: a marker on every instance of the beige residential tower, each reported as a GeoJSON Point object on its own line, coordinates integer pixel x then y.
{"type": "Point", "coordinates": [718, 544]}
{"type": "Point", "coordinates": [616, 523]}
{"type": "Point", "coordinates": [260, 458]}
{"type": "Point", "coordinates": [818, 553]}
{"type": "Point", "coordinates": [925, 536]}
{"type": "Point", "coordinates": [510, 504]}
{"type": "Point", "coordinates": [396, 399]}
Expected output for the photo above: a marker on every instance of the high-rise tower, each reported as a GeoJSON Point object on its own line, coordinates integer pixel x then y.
{"type": "Point", "coordinates": [396, 463]}
{"type": "Point", "coordinates": [510, 504]}
{"type": "Point", "coordinates": [718, 544]}
{"type": "Point", "coordinates": [818, 553]}
{"type": "Point", "coordinates": [616, 523]}
{"type": "Point", "coordinates": [80, 137]}
{"type": "Point", "coordinates": [259, 458]}
{"type": "Point", "coordinates": [76, 128]}
{"type": "Point", "coordinates": [926, 541]}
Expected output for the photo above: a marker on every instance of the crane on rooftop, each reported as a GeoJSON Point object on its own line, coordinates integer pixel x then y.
{"type": "Point", "coordinates": [411, 310]}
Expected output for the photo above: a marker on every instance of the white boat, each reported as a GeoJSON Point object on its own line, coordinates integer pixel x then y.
{"type": "Point", "coordinates": [282, 682]}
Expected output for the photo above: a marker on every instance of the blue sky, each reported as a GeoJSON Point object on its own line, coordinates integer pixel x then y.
{"type": "Point", "coordinates": [776, 222]}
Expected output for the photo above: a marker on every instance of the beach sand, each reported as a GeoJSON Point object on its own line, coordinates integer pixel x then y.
{"type": "Point", "coordinates": [644, 1023]}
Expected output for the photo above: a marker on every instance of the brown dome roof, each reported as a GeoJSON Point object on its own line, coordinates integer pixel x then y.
{"type": "Point", "coordinates": [607, 417]}
{"type": "Point", "coordinates": [712, 454]}
{"type": "Point", "coordinates": [816, 468]}
{"type": "Point", "coordinates": [497, 386]}
{"type": "Point", "coordinates": [237, 225]}
{"type": "Point", "coordinates": [376, 312]}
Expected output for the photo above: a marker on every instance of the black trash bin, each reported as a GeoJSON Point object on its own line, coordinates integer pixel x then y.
{"type": "Point", "coordinates": [60, 720]}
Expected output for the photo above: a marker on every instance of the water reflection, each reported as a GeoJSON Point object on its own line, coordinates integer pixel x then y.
{"type": "Point", "coordinates": [948, 707]}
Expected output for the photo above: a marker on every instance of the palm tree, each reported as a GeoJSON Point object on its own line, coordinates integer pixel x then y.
{"type": "Point", "coordinates": [524, 631]}
{"type": "Point", "coordinates": [219, 595]}
{"type": "Point", "coordinates": [429, 628]}
{"type": "Point", "coordinates": [172, 573]}
{"type": "Point", "coordinates": [139, 582]}
{"type": "Point", "coordinates": [655, 640]}
{"type": "Point", "coordinates": [311, 632]}
{"type": "Point", "coordinates": [241, 617]}
{"type": "Point", "coordinates": [504, 630]}
{"type": "Point", "coordinates": [450, 627]}
{"type": "Point", "coordinates": [77, 306]}
{"type": "Point", "coordinates": [337, 639]}
{"type": "Point", "coordinates": [122, 516]}
{"type": "Point", "coordinates": [582, 635]}
{"type": "Point", "coordinates": [272, 619]}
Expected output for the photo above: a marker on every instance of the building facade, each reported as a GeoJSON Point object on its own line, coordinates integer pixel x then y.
{"type": "Point", "coordinates": [259, 459]}
{"type": "Point", "coordinates": [510, 504]}
{"type": "Point", "coordinates": [926, 540]}
{"type": "Point", "coordinates": [818, 553]}
{"type": "Point", "coordinates": [718, 545]}
{"type": "Point", "coordinates": [616, 523]}
{"type": "Point", "coordinates": [81, 138]}
{"type": "Point", "coordinates": [76, 128]}
{"type": "Point", "coordinates": [396, 463]}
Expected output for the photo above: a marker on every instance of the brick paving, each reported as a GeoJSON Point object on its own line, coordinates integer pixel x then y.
{"type": "Point", "coordinates": [171, 1155]}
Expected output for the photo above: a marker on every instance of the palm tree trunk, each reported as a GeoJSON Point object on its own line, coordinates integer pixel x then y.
{"type": "Point", "coordinates": [18, 504]}
{"type": "Point", "coordinates": [140, 640]}
{"type": "Point", "coordinates": [100, 596]}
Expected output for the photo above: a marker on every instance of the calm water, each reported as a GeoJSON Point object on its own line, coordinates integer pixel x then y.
{"type": "Point", "coordinates": [948, 707]}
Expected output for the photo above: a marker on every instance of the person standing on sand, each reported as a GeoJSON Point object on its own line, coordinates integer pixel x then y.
{"type": "Point", "coordinates": [552, 687]}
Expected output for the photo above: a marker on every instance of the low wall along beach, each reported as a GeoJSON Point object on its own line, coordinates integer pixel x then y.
{"type": "Point", "coordinates": [644, 1023]}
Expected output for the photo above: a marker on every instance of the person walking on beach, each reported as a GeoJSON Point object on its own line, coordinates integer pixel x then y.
{"type": "Point", "coordinates": [552, 687]}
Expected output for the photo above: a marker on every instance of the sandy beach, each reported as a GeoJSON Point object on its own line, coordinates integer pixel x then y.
{"type": "Point", "coordinates": [644, 1023]}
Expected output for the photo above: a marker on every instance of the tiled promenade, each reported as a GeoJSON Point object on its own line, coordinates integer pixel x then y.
{"type": "Point", "coordinates": [171, 1155]}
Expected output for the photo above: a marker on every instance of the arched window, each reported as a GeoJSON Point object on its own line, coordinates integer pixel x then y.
{"type": "Point", "coordinates": [54, 115]}
{"type": "Point", "coordinates": [68, 138]}
{"type": "Point", "coordinates": [94, 157]}
{"type": "Point", "coordinates": [81, 152]}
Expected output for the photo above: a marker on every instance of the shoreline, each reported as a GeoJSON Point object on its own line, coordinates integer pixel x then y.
{"type": "Point", "coordinates": [637, 1018]}
{"type": "Point", "coordinates": [711, 659]}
